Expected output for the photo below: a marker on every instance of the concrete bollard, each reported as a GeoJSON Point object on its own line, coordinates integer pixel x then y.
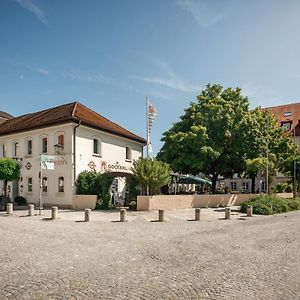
{"type": "Point", "coordinates": [123, 215]}
{"type": "Point", "coordinates": [54, 212]}
{"type": "Point", "coordinates": [227, 213]}
{"type": "Point", "coordinates": [31, 210]}
{"type": "Point", "coordinates": [161, 215]}
{"type": "Point", "coordinates": [197, 214]}
{"type": "Point", "coordinates": [9, 208]}
{"type": "Point", "coordinates": [249, 210]}
{"type": "Point", "coordinates": [87, 214]}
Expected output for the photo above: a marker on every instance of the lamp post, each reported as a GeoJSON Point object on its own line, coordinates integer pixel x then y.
{"type": "Point", "coordinates": [295, 175]}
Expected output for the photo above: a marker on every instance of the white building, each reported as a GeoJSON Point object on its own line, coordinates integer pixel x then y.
{"type": "Point", "coordinates": [84, 139]}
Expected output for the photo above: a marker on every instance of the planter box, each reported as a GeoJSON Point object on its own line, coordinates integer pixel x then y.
{"type": "Point", "coordinates": [84, 201]}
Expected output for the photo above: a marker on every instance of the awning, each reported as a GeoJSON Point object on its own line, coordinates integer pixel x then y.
{"type": "Point", "coordinates": [190, 179]}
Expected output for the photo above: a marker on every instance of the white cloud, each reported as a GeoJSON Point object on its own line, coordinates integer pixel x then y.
{"type": "Point", "coordinates": [33, 8]}
{"type": "Point", "coordinates": [171, 81]}
{"type": "Point", "coordinates": [201, 12]}
{"type": "Point", "coordinates": [85, 76]}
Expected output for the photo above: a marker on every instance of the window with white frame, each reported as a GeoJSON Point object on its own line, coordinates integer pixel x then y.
{"type": "Point", "coordinates": [61, 140]}
{"type": "Point", "coordinates": [97, 145]}
{"type": "Point", "coordinates": [45, 184]}
{"type": "Point", "coordinates": [3, 150]}
{"type": "Point", "coordinates": [128, 153]}
{"type": "Point", "coordinates": [44, 145]}
{"type": "Point", "coordinates": [29, 146]}
{"type": "Point", "coordinates": [245, 186]}
{"type": "Point", "coordinates": [61, 184]}
{"type": "Point", "coordinates": [29, 184]}
{"type": "Point", "coordinates": [15, 149]}
{"type": "Point", "coordinates": [233, 185]}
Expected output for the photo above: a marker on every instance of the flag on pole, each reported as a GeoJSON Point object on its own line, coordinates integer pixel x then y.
{"type": "Point", "coordinates": [151, 115]}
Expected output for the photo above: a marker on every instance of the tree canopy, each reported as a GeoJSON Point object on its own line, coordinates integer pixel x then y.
{"type": "Point", "coordinates": [217, 135]}
{"type": "Point", "coordinates": [151, 174]}
{"type": "Point", "coordinates": [9, 170]}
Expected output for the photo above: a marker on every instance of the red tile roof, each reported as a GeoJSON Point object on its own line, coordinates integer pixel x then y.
{"type": "Point", "coordinates": [71, 112]}
{"type": "Point", "coordinates": [286, 113]}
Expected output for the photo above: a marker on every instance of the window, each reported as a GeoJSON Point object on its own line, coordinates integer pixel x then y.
{"type": "Point", "coordinates": [263, 186]}
{"type": "Point", "coordinates": [97, 145]}
{"type": "Point", "coordinates": [287, 113]}
{"type": "Point", "coordinates": [15, 149]}
{"type": "Point", "coordinates": [29, 184]}
{"type": "Point", "coordinates": [286, 126]}
{"type": "Point", "coordinates": [233, 185]}
{"type": "Point", "coordinates": [61, 184]}
{"type": "Point", "coordinates": [29, 147]}
{"type": "Point", "coordinates": [3, 150]}
{"type": "Point", "coordinates": [61, 141]}
{"type": "Point", "coordinates": [44, 145]}
{"type": "Point", "coordinates": [245, 186]}
{"type": "Point", "coordinates": [45, 184]}
{"type": "Point", "coordinates": [128, 153]}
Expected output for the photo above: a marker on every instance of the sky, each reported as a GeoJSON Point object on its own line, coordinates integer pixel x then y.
{"type": "Point", "coordinates": [112, 54]}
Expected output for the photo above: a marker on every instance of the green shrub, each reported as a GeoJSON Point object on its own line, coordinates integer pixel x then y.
{"type": "Point", "coordinates": [20, 200]}
{"type": "Point", "coordinates": [271, 204]}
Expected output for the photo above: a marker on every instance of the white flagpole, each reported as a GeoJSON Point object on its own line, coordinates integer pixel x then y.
{"type": "Point", "coordinates": [147, 125]}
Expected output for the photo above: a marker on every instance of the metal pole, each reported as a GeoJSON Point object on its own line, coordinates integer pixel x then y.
{"type": "Point", "coordinates": [295, 179]}
{"type": "Point", "coordinates": [147, 125]}
{"type": "Point", "coordinates": [41, 189]}
{"type": "Point", "coordinates": [267, 169]}
{"type": "Point", "coordinates": [147, 133]}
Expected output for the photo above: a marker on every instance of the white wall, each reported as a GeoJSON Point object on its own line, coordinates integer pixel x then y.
{"type": "Point", "coordinates": [52, 196]}
{"type": "Point", "coordinates": [113, 155]}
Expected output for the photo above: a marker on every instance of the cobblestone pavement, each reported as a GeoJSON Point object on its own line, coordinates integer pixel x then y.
{"type": "Point", "coordinates": [242, 258]}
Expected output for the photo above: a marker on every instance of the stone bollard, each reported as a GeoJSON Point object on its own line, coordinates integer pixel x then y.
{"type": "Point", "coordinates": [87, 214]}
{"type": "Point", "coordinates": [161, 215]}
{"type": "Point", "coordinates": [9, 208]}
{"type": "Point", "coordinates": [54, 212]}
{"type": "Point", "coordinates": [197, 214]}
{"type": "Point", "coordinates": [249, 210]}
{"type": "Point", "coordinates": [123, 215]}
{"type": "Point", "coordinates": [31, 210]}
{"type": "Point", "coordinates": [227, 213]}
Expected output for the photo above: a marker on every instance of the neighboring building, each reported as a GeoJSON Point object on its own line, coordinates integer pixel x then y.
{"type": "Point", "coordinates": [287, 116]}
{"type": "Point", "coordinates": [83, 139]}
{"type": "Point", "coordinates": [4, 117]}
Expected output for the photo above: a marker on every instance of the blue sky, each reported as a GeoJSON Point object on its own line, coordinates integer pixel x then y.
{"type": "Point", "coordinates": [111, 54]}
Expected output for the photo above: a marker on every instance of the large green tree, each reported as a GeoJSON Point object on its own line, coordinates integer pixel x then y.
{"type": "Point", "coordinates": [268, 146]}
{"type": "Point", "coordinates": [9, 170]}
{"type": "Point", "coordinates": [209, 138]}
{"type": "Point", "coordinates": [151, 174]}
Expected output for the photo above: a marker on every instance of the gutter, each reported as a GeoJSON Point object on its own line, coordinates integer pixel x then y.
{"type": "Point", "coordinates": [74, 148]}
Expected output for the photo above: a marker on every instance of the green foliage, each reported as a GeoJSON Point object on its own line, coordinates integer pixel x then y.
{"type": "Point", "coordinates": [105, 197]}
{"type": "Point", "coordinates": [9, 170]}
{"type": "Point", "coordinates": [209, 136]}
{"type": "Point", "coordinates": [283, 187]}
{"type": "Point", "coordinates": [88, 183]}
{"type": "Point", "coordinates": [270, 204]}
{"type": "Point", "coordinates": [132, 188]}
{"type": "Point", "coordinates": [152, 173]}
{"type": "Point", "coordinates": [20, 200]}
{"type": "Point", "coordinates": [93, 183]}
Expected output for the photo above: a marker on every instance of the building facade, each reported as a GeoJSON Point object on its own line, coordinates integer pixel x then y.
{"type": "Point", "coordinates": [75, 139]}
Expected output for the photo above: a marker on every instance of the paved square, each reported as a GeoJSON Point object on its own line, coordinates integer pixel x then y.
{"type": "Point", "coordinates": [242, 258]}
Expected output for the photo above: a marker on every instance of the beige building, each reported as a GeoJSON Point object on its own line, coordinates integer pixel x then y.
{"type": "Point", "coordinates": [75, 138]}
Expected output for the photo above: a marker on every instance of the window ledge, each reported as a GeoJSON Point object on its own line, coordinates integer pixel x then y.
{"type": "Point", "coordinates": [97, 155]}
{"type": "Point", "coordinates": [128, 160]}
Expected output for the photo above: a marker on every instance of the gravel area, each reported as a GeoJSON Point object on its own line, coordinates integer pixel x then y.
{"type": "Point", "coordinates": [241, 258]}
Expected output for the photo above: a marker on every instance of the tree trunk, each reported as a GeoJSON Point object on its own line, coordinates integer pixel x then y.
{"type": "Point", "coordinates": [214, 183]}
{"type": "Point", "coordinates": [253, 184]}
{"type": "Point", "coordinates": [5, 188]}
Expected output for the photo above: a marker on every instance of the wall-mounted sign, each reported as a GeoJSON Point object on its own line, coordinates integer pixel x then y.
{"type": "Point", "coordinates": [28, 166]}
{"type": "Point", "coordinates": [117, 167]}
{"type": "Point", "coordinates": [92, 165]}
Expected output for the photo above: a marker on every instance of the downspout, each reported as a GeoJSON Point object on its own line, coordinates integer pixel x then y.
{"type": "Point", "coordinates": [74, 148]}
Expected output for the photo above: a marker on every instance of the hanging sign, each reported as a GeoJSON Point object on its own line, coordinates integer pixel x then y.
{"type": "Point", "coordinates": [48, 161]}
